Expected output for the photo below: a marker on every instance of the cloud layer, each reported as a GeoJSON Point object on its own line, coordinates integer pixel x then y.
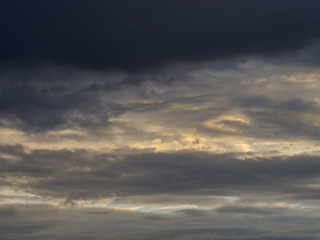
{"type": "Point", "coordinates": [38, 222]}
{"type": "Point", "coordinates": [137, 36]}
{"type": "Point", "coordinates": [153, 119]}
{"type": "Point", "coordinates": [83, 175]}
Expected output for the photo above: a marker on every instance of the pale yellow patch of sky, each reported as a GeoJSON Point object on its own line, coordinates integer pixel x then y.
{"type": "Point", "coordinates": [162, 139]}
{"type": "Point", "coordinates": [226, 122]}
{"type": "Point", "coordinates": [302, 77]}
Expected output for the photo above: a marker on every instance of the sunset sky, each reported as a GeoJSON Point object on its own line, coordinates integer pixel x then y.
{"type": "Point", "coordinates": [159, 119]}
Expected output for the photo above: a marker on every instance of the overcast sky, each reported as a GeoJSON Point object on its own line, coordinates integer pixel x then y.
{"type": "Point", "coordinates": [159, 119]}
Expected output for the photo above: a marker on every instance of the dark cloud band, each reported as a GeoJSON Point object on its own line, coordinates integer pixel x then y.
{"type": "Point", "coordinates": [53, 173]}
{"type": "Point", "coordinates": [136, 35]}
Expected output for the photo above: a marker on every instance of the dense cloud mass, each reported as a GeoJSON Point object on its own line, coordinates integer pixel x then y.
{"type": "Point", "coordinates": [146, 34]}
{"type": "Point", "coordinates": [84, 175]}
{"type": "Point", "coordinates": [97, 224]}
{"type": "Point", "coordinates": [148, 119]}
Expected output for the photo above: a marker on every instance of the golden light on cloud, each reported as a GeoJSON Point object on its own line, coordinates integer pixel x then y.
{"type": "Point", "coordinates": [227, 123]}
{"type": "Point", "coordinates": [140, 120]}
{"type": "Point", "coordinates": [305, 77]}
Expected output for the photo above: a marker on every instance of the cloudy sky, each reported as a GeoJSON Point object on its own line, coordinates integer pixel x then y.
{"type": "Point", "coordinates": [152, 120]}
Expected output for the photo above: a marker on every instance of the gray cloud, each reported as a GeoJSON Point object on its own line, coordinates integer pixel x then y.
{"type": "Point", "coordinates": [281, 118]}
{"type": "Point", "coordinates": [8, 211]}
{"type": "Point", "coordinates": [36, 100]}
{"type": "Point", "coordinates": [87, 175]}
{"type": "Point", "coordinates": [175, 120]}
{"type": "Point", "coordinates": [149, 34]}
{"type": "Point", "coordinates": [43, 221]}
{"type": "Point", "coordinates": [250, 210]}
{"type": "Point", "coordinates": [266, 104]}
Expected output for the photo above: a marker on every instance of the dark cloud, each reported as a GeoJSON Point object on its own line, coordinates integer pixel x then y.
{"type": "Point", "coordinates": [264, 103]}
{"type": "Point", "coordinates": [142, 34]}
{"type": "Point", "coordinates": [281, 118]}
{"type": "Point", "coordinates": [38, 108]}
{"type": "Point", "coordinates": [39, 100]}
{"type": "Point", "coordinates": [47, 98]}
{"type": "Point", "coordinates": [194, 212]}
{"type": "Point", "coordinates": [97, 74]}
{"type": "Point", "coordinates": [54, 223]}
{"type": "Point", "coordinates": [86, 175]}
{"type": "Point", "coordinates": [47, 222]}
{"type": "Point", "coordinates": [250, 210]}
{"type": "Point", "coordinates": [219, 234]}
{"type": "Point", "coordinates": [8, 211]}
{"type": "Point", "coordinates": [155, 217]}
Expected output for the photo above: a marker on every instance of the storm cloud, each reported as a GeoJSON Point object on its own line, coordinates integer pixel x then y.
{"type": "Point", "coordinates": [150, 119]}
{"type": "Point", "coordinates": [141, 35]}
{"type": "Point", "coordinates": [52, 173]}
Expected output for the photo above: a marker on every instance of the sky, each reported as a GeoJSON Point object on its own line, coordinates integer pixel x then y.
{"type": "Point", "coordinates": [152, 120]}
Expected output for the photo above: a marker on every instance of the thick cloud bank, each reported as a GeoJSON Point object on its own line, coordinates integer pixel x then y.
{"type": "Point", "coordinates": [84, 175]}
{"type": "Point", "coordinates": [137, 35]}
{"type": "Point", "coordinates": [159, 119]}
